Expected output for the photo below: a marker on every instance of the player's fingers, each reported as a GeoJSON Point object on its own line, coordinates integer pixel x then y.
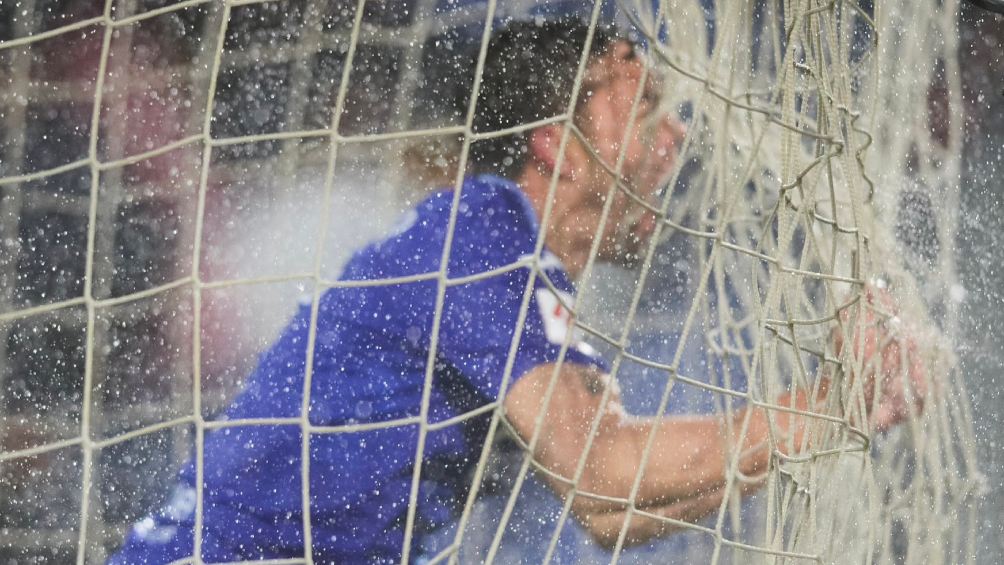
{"type": "Point", "coordinates": [918, 375]}
{"type": "Point", "coordinates": [877, 294]}
{"type": "Point", "coordinates": [891, 413]}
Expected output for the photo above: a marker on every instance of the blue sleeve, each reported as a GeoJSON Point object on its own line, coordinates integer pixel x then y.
{"type": "Point", "coordinates": [494, 228]}
{"type": "Point", "coordinates": [479, 324]}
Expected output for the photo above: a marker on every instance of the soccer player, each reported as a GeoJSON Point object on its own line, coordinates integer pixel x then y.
{"type": "Point", "coordinates": [374, 343]}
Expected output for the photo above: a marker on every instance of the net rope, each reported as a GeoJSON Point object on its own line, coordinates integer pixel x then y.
{"type": "Point", "coordinates": [809, 122]}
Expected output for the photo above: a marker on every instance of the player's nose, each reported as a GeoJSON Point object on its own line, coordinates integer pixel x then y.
{"type": "Point", "coordinates": [671, 134]}
{"type": "Point", "coordinates": [668, 138]}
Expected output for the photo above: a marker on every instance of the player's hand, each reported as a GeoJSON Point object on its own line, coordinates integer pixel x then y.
{"type": "Point", "coordinates": [895, 374]}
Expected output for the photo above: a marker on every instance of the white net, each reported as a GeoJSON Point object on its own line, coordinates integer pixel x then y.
{"type": "Point", "coordinates": [818, 125]}
{"type": "Point", "coordinates": [130, 174]}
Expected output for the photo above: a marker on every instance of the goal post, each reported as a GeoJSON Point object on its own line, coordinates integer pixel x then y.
{"type": "Point", "coordinates": [171, 192]}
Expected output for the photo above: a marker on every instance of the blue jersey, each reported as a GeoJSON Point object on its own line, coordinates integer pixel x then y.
{"type": "Point", "coordinates": [373, 344]}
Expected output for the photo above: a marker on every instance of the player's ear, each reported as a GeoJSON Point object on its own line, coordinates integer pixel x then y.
{"type": "Point", "coordinates": [544, 145]}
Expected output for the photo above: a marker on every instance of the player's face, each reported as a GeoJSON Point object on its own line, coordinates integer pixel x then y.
{"type": "Point", "coordinates": [611, 86]}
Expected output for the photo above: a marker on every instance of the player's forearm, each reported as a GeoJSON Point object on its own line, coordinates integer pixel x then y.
{"type": "Point", "coordinates": [605, 527]}
{"type": "Point", "coordinates": [691, 456]}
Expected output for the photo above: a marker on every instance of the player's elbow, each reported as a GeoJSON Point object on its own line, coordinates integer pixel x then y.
{"type": "Point", "coordinates": [606, 538]}
{"type": "Point", "coordinates": [603, 532]}
{"type": "Point", "coordinates": [608, 530]}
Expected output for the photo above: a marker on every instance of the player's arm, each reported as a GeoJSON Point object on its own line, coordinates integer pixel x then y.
{"type": "Point", "coordinates": [688, 457]}
{"type": "Point", "coordinates": [605, 527]}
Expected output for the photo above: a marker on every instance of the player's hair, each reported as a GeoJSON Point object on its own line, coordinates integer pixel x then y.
{"type": "Point", "coordinates": [528, 75]}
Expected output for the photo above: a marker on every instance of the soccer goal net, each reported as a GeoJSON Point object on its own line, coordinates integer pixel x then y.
{"type": "Point", "coordinates": [177, 176]}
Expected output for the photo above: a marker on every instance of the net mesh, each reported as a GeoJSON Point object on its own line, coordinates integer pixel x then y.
{"type": "Point", "coordinates": [822, 152]}
{"type": "Point", "coordinates": [815, 143]}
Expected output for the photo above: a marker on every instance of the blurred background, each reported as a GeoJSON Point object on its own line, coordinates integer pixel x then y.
{"type": "Point", "coordinates": [280, 68]}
